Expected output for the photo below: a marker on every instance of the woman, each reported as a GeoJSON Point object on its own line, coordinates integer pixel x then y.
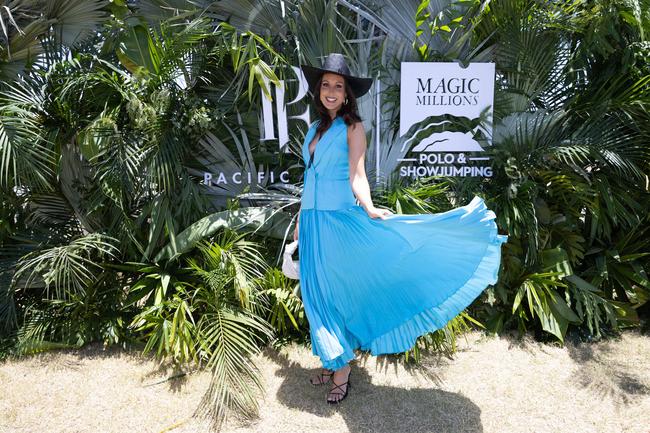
{"type": "Point", "coordinates": [370, 279]}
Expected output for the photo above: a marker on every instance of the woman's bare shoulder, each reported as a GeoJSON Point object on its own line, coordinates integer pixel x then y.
{"type": "Point", "coordinates": [356, 128]}
{"type": "Point", "coordinates": [356, 136]}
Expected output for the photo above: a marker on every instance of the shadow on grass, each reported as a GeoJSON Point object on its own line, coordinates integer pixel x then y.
{"type": "Point", "coordinates": [606, 372]}
{"type": "Point", "coordinates": [161, 373]}
{"type": "Point", "coordinates": [375, 408]}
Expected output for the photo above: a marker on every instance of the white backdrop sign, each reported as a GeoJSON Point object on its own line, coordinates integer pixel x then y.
{"type": "Point", "coordinates": [436, 89]}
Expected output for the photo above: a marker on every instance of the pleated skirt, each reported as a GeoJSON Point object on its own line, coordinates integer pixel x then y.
{"type": "Point", "coordinates": [378, 285]}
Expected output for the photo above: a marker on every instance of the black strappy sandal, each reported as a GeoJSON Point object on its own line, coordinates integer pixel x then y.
{"type": "Point", "coordinates": [321, 376]}
{"type": "Point", "coordinates": [342, 394]}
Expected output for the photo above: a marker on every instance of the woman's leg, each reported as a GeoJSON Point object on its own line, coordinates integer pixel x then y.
{"type": "Point", "coordinates": [339, 384]}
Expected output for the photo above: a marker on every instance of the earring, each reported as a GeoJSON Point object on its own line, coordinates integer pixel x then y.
{"type": "Point", "coordinates": [346, 101]}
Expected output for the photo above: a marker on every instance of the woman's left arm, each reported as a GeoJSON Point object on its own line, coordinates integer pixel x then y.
{"type": "Point", "coordinates": [356, 153]}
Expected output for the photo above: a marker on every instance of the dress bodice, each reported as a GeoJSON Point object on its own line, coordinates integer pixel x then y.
{"type": "Point", "coordinates": [327, 178]}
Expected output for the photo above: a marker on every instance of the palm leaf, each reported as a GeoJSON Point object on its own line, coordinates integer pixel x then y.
{"type": "Point", "coordinates": [266, 220]}
{"type": "Point", "coordinates": [229, 339]}
{"type": "Point", "coordinates": [67, 269]}
{"type": "Point", "coordinates": [25, 154]}
{"type": "Point", "coordinates": [74, 20]}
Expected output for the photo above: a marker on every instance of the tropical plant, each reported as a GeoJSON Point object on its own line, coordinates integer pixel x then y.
{"type": "Point", "coordinates": [98, 141]}
{"type": "Point", "coordinates": [210, 312]}
{"type": "Point", "coordinates": [570, 166]}
{"type": "Point", "coordinates": [112, 112]}
{"type": "Point", "coordinates": [93, 147]}
{"type": "Point", "coordinates": [35, 31]}
{"type": "Point", "coordinates": [286, 313]}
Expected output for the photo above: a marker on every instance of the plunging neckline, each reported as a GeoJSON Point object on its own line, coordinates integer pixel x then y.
{"type": "Point", "coordinates": [312, 154]}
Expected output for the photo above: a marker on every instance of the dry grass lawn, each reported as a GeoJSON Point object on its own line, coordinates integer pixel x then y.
{"type": "Point", "coordinates": [494, 385]}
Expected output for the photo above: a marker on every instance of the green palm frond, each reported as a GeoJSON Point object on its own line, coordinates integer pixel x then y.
{"type": "Point", "coordinates": [68, 269]}
{"type": "Point", "coordinates": [155, 11]}
{"type": "Point", "coordinates": [169, 326]}
{"type": "Point", "coordinates": [73, 20]}
{"type": "Point", "coordinates": [53, 211]}
{"type": "Point", "coordinates": [39, 325]}
{"type": "Point", "coordinates": [527, 136]}
{"type": "Point", "coordinates": [593, 307]}
{"type": "Point", "coordinates": [264, 220]}
{"type": "Point", "coordinates": [230, 336]}
{"type": "Point", "coordinates": [161, 54]}
{"type": "Point", "coordinates": [26, 155]}
{"type": "Point", "coordinates": [398, 20]}
{"type": "Point", "coordinates": [22, 48]}
{"type": "Point", "coordinates": [320, 31]}
{"type": "Point", "coordinates": [231, 328]}
{"type": "Point", "coordinates": [243, 260]}
{"type": "Point", "coordinates": [286, 313]}
{"type": "Point", "coordinates": [423, 196]}
{"type": "Point", "coordinates": [261, 17]}
{"type": "Point", "coordinates": [612, 207]}
{"type": "Point", "coordinates": [73, 322]}
{"type": "Point", "coordinates": [8, 311]}
{"type": "Point", "coordinates": [618, 267]}
{"type": "Point", "coordinates": [538, 291]}
{"type": "Point", "coordinates": [611, 143]}
{"type": "Point", "coordinates": [40, 30]}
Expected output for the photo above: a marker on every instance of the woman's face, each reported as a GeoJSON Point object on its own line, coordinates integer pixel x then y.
{"type": "Point", "coordinates": [332, 91]}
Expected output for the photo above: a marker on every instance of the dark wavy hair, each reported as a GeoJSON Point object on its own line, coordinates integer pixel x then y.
{"type": "Point", "coordinates": [349, 112]}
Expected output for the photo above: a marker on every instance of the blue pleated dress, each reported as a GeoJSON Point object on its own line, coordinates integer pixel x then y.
{"type": "Point", "coordinates": [379, 284]}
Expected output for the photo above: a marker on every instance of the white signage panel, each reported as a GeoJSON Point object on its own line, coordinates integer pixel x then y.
{"type": "Point", "coordinates": [446, 89]}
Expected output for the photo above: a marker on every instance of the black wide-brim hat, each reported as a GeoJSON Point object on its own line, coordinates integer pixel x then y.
{"type": "Point", "coordinates": [335, 63]}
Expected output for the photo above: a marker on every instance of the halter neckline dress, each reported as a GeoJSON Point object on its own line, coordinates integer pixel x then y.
{"type": "Point", "coordinates": [376, 284]}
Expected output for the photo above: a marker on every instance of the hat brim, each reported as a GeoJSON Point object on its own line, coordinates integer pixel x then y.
{"type": "Point", "coordinates": [360, 86]}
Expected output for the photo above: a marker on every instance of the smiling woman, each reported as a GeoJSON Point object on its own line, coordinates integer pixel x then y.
{"type": "Point", "coordinates": [369, 279]}
{"type": "Point", "coordinates": [333, 97]}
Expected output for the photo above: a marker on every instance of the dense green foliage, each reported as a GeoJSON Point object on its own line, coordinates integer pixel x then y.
{"type": "Point", "coordinates": [110, 112]}
{"type": "Point", "coordinates": [571, 167]}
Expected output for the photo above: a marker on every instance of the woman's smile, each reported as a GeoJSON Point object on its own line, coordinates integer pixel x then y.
{"type": "Point", "coordinates": [332, 91]}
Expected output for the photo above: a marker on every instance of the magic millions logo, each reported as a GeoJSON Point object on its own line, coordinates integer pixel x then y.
{"type": "Point", "coordinates": [457, 95]}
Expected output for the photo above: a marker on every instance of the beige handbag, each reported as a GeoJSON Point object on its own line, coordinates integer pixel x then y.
{"type": "Point", "coordinates": [290, 267]}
